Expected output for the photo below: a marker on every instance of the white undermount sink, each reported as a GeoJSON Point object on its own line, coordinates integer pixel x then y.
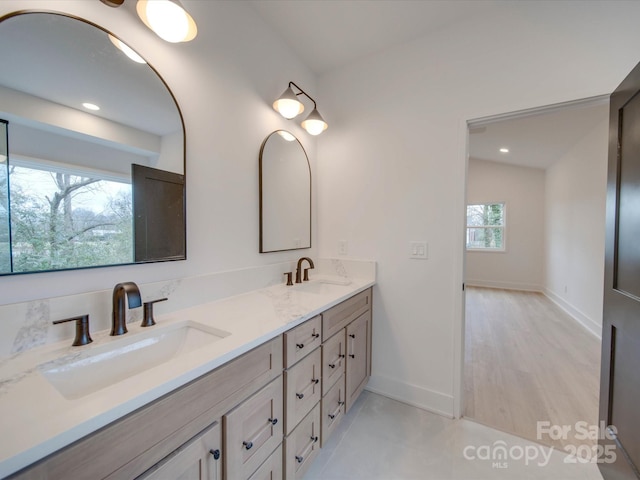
{"type": "Point", "coordinates": [93, 369]}
{"type": "Point", "coordinates": [321, 286]}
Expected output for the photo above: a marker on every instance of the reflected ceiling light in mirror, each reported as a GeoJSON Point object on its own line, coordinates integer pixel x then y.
{"type": "Point", "coordinates": [504, 150]}
{"type": "Point", "coordinates": [126, 49]}
{"type": "Point", "coordinates": [91, 106]}
{"type": "Point", "coordinates": [286, 135]}
{"type": "Point", "coordinates": [289, 107]}
{"type": "Point", "coordinates": [168, 19]}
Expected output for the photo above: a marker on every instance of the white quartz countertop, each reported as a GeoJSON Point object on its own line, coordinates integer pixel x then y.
{"type": "Point", "coordinates": [37, 420]}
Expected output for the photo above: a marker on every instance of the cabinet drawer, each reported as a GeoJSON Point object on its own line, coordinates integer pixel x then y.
{"type": "Point", "coordinates": [302, 340]}
{"type": "Point", "coordinates": [303, 389]}
{"type": "Point", "coordinates": [332, 409]}
{"type": "Point", "coordinates": [271, 469]}
{"type": "Point", "coordinates": [333, 360]}
{"type": "Point", "coordinates": [198, 459]}
{"type": "Point", "coordinates": [252, 431]}
{"type": "Point", "coordinates": [339, 316]}
{"type": "Point", "coordinates": [302, 446]}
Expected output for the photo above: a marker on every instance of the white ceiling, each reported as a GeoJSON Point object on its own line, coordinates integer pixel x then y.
{"type": "Point", "coordinates": [328, 34]}
{"type": "Point", "coordinates": [538, 140]}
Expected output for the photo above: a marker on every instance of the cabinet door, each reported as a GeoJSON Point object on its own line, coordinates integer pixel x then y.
{"type": "Point", "coordinates": [253, 431]}
{"type": "Point", "coordinates": [303, 389]}
{"type": "Point", "coordinates": [271, 469]}
{"type": "Point", "coordinates": [358, 356]}
{"type": "Point", "coordinates": [333, 360]}
{"type": "Point", "coordinates": [332, 410]}
{"type": "Point", "coordinates": [198, 459]}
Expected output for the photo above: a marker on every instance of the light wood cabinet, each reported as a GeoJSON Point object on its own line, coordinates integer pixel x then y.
{"type": "Point", "coordinates": [333, 360]}
{"type": "Point", "coordinates": [302, 445]}
{"type": "Point", "coordinates": [253, 430]}
{"type": "Point", "coordinates": [338, 317]}
{"type": "Point", "coordinates": [358, 357]}
{"type": "Point", "coordinates": [303, 387]}
{"type": "Point", "coordinates": [198, 459]}
{"type": "Point", "coordinates": [271, 469]}
{"type": "Point", "coordinates": [332, 409]}
{"type": "Point", "coordinates": [302, 340]}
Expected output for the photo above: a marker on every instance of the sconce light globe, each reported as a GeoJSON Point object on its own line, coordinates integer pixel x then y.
{"type": "Point", "coordinates": [314, 124]}
{"type": "Point", "coordinates": [167, 19]}
{"type": "Point", "coordinates": [288, 104]}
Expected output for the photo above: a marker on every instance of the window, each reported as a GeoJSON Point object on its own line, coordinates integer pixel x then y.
{"type": "Point", "coordinates": [485, 227]}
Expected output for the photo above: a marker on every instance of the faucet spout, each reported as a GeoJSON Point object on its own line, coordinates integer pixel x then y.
{"type": "Point", "coordinates": [118, 316]}
{"type": "Point", "coordinates": [299, 269]}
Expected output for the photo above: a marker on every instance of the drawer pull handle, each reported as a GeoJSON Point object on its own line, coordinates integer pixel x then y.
{"type": "Point", "coordinates": [341, 356]}
{"type": "Point", "coordinates": [332, 365]}
{"type": "Point", "coordinates": [336, 411]}
{"type": "Point", "coordinates": [300, 395]}
{"type": "Point", "coordinates": [341, 403]}
{"type": "Point", "coordinates": [248, 445]}
{"type": "Point", "coordinates": [300, 346]}
{"type": "Point", "coordinates": [273, 421]}
{"type": "Point", "coordinates": [315, 381]}
{"type": "Point", "coordinates": [215, 453]}
{"type": "Point", "coordinates": [352, 356]}
{"type": "Point", "coordinates": [352, 335]}
{"type": "Point", "coordinates": [299, 459]}
{"type": "Point", "coordinates": [315, 335]}
{"type": "Point", "coordinates": [314, 439]}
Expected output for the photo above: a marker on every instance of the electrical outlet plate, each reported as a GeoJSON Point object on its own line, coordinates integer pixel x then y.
{"type": "Point", "coordinates": [343, 247]}
{"type": "Point", "coordinates": [418, 250]}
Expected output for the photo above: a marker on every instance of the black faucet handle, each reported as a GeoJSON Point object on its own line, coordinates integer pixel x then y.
{"type": "Point", "coordinates": [289, 278]}
{"type": "Point", "coordinates": [306, 274]}
{"type": "Point", "coordinates": [82, 329]}
{"type": "Point", "coordinates": [147, 320]}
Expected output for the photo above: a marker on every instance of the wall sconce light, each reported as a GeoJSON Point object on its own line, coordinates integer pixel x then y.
{"type": "Point", "coordinates": [166, 18]}
{"type": "Point", "coordinates": [290, 107]}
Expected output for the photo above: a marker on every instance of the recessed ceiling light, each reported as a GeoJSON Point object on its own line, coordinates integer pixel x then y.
{"type": "Point", "coordinates": [504, 150]}
{"type": "Point", "coordinates": [90, 106]}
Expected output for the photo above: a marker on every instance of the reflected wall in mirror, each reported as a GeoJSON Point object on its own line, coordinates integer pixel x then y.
{"type": "Point", "coordinates": [66, 181]}
{"type": "Point", "coordinates": [285, 194]}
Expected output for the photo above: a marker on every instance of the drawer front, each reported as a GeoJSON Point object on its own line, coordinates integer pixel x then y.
{"type": "Point", "coordinates": [253, 430]}
{"type": "Point", "coordinates": [302, 445]}
{"type": "Point", "coordinates": [271, 469]}
{"type": "Point", "coordinates": [339, 316]}
{"type": "Point", "coordinates": [302, 340]}
{"type": "Point", "coordinates": [199, 459]}
{"type": "Point", "coordinates": [333, 360]}
{"type": "Point", "coordinates": [303, 388]}
{"type": "Point", "coordinates": [332, 409]}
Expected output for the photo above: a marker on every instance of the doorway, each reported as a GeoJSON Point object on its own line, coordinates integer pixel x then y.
{"type": "Point", "coordinates": [534, 271]}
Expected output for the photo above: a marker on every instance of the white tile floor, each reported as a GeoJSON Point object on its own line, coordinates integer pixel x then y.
{"type": "Point", "coordinates": [382, 439]}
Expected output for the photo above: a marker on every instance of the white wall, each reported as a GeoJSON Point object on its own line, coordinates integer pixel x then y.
{"type": "Point", "coordinates": [391, 168]}
{"type": "Point", "coordinates": [520, 266]}
{"type": "Point", "coordinates": [224, 82]}
{"type": "Point", "coordinates": [575, 228]}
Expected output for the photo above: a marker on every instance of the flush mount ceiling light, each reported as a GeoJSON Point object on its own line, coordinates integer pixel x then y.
{"type": "Point", "coordinates": [290, 107]}
{"type": "Point", "coordinates": [504, 150]}
{"type": "Point", "coordinates": [167, 18]}
{"type": "Point", "coordinates": [91, 106]}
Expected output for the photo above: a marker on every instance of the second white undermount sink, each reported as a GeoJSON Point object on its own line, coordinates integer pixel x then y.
{"type": "Point", "coordinates": [320, 287]}
{"type": "Point", "coordinates": [88, 371]}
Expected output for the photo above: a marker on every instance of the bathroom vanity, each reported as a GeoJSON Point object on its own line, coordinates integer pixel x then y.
{"type": "Point", "coordinates": [257, 403]}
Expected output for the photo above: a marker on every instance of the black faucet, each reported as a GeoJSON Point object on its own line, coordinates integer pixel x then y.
{"type": "Point", "coordinates": [118, 316]}
{"type": "Point", "coordinates": [306, 270]}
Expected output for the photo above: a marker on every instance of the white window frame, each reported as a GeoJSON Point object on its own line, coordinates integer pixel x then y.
{"type": "Point", "coordinates": [502, 227]}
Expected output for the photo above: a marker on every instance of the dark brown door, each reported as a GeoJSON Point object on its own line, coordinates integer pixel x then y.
{"type": "Point", "coordinates": [620, 375]}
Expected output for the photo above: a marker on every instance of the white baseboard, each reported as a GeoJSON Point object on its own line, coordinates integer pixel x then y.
{"type": "Point", "coordinates": [588, 323]}
{"type": "Point", "coordinates": [420, 397]}
{"type": "Point", "coordinates": [528, 287]}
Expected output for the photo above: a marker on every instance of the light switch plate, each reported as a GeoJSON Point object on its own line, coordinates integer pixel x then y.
{"type": "Point", "coordinates": [419, 250]}
{"type": "Point", "coordinates": [343, 247]}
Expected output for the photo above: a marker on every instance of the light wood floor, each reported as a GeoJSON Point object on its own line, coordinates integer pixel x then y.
{"type": "Point", "coordinates": [526, 361]}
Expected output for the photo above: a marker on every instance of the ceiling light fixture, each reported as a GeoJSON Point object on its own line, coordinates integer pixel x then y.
{"type": "Point", "coordinates": [167, 18]}
{"type": "Point", "coordinates": [504, 150]}
{"type": "Point", "coordinates": [91, 106]}
{"type": "Point", "coordinates": [290, 107]}
{"type": "Point", "coordinates": [126, 49]}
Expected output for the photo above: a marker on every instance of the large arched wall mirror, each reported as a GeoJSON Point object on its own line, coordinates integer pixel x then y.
{"type": "Point", "coordinates": [83, 188]}
{"type": "Point", "coordinates": [285, 194]}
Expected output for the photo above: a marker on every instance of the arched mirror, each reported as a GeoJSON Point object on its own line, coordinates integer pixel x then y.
{"type": "Point", "coordinates": [285, 194]}
{"type": "Point", "coordinates": [96, 156]}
